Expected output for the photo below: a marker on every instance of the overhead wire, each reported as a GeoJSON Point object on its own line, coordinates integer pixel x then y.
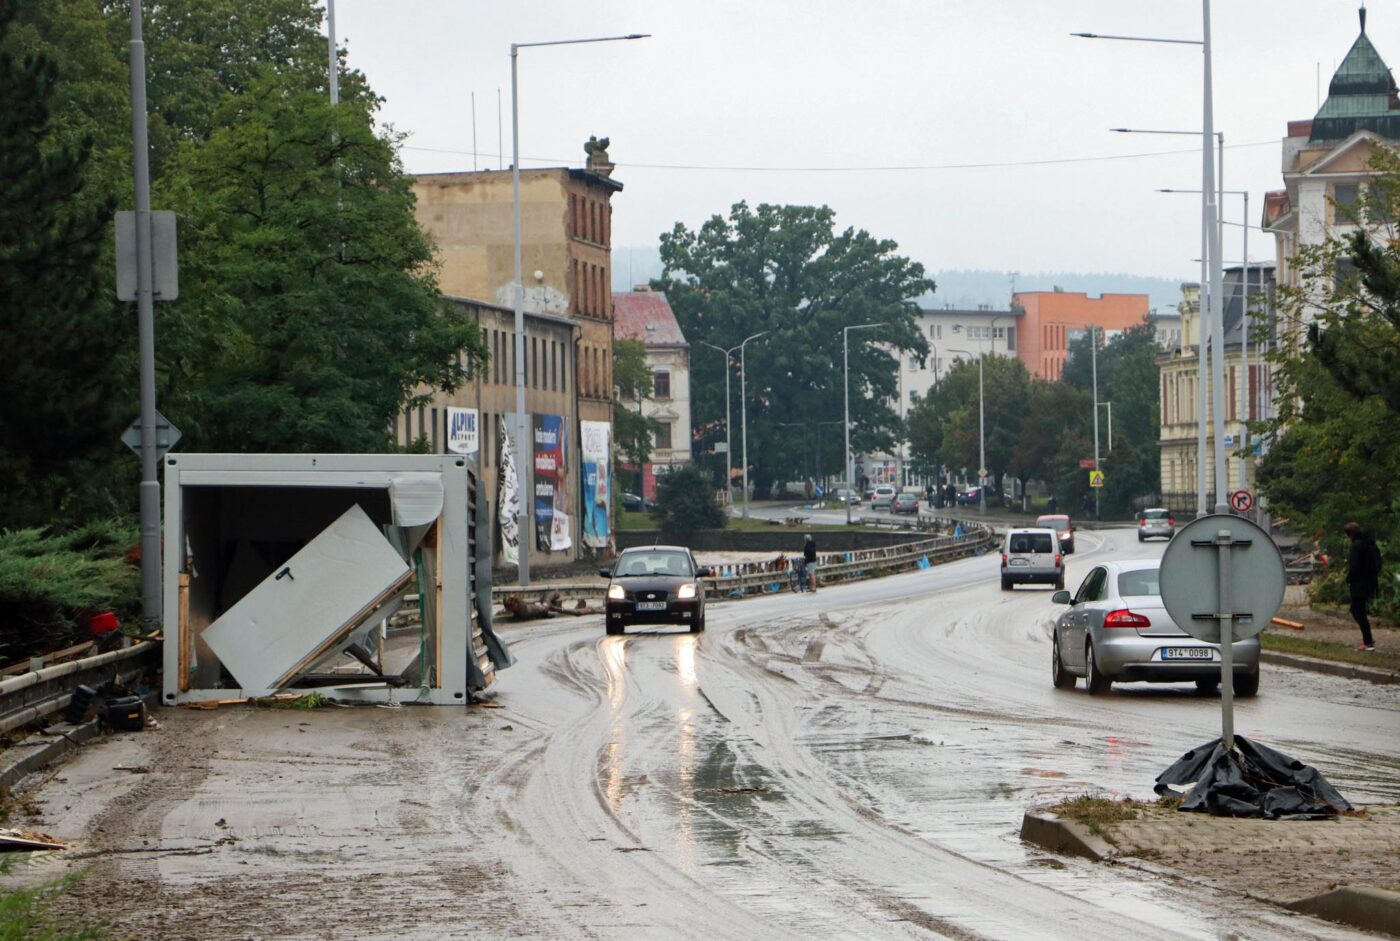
{"type": "Point", "coordinates": [895, 168]}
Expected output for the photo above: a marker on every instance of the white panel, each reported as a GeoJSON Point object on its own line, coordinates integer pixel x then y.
{"type": "Point", "coordinates": [301, 606]}
{"type": "Point", "coordinates": [416, 498]}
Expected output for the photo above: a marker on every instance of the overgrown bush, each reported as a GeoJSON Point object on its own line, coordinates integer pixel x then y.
{"type": "Point", "coordinates": [685, 501]}
{"type": "Point", "coordinates": [50, 581]}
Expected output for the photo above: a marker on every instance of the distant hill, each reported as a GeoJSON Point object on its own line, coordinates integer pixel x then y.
{"type": "Point", "coordinates": [964, 288]}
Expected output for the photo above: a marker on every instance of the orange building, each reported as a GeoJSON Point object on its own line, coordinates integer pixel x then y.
{"type": "Point", "coordinates": [1055, 319]}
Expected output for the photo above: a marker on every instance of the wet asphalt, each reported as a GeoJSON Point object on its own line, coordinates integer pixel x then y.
{"type": "Point", "coordinates": [848, 764]}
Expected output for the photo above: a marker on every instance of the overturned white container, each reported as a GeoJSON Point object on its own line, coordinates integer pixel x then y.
{"type": "Point", "coordinates": [282, 570]}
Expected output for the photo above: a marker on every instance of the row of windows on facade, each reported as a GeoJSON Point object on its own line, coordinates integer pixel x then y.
{"type": "Point", "coordinates": [590, 219]}
{"type": "Point", "coordinates": [592, 295]}
{"type": "Point", "coordinates": [547, 365]}
{"type": "Point", "coordinates": [1179, 395]}
{"type": "Point", "coordinates": [974, 332]}
{"type": "Point", "coordinates": [430, 424]}
{"type": "Point", "coordinates": [1346, 196]}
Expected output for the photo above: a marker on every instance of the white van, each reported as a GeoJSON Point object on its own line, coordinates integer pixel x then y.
{"type": "Point", "coordinates": [1032, 555]}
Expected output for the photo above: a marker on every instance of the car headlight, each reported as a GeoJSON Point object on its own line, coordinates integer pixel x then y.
{"type": "Point", "coordinates": [617, 592]}
{"type": "Point", "coordinates": [686, 591]}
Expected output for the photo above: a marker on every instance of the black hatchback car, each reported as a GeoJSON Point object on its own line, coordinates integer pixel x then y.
{"type": "Point", "coordinates": [655, 585]}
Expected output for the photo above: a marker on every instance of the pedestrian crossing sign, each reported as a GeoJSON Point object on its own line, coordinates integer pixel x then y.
{"type": "Point", "coordinates": [1095, 478]}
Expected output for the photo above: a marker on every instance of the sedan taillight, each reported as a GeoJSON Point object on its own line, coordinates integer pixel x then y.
{"type": "Point", "coordinates": [1125, 618]}
{"type": "Point", "coordinates": [1003, 560]}
{"type": "Point", "coordinates": [1170, 521]}
{"type": "Point", "coordinates": [1143, 521]}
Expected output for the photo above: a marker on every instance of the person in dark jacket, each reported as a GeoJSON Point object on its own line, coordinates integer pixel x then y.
{"type": "Point", "coordinates": [809, 555]}
{"type": "Point", "coordinates": [1363, 578]}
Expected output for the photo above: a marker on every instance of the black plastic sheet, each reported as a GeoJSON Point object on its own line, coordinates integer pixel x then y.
{"type": "Point", "coordinates": [1253, 780]}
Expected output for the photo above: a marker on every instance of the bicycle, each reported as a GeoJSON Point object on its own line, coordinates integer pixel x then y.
{"type": "Point", "coordinates": [798, 575]}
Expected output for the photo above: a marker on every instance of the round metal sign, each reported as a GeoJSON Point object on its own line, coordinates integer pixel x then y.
{"type": "Point", "coordinates": [1190, 576]}
{"type": "Point", "coordinates": [1241, 501]}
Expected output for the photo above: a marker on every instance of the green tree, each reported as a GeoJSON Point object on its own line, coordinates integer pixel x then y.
{"type": "Point", "coordinates": [632, 379]}
{"type": "Point", "coordinates": [1334, 450]}
{"type": "Point", "coordinates": [786, 270]}
{"type": "Point", "coordinates": [685, 502]}
{"type": "Point", "coordinates": [61, 415]}
{"type": "Point", "coordinates": [1127, 377]}
{"type": "Point", "coordinates": [1055, 433]}
{"type": "Point", "coordinates": [308, 316]}
{"type": "Point", "coordinates": [946, 426]}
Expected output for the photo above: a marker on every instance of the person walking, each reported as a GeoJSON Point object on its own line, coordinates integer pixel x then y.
{"type": "Point", "coordinates": [809, 556]}
{"type": "Point", "coordinates": [1363, 578]}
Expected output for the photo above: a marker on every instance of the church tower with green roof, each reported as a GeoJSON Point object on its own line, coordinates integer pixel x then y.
{"type": "Point", "coordinates": [1361, 95]}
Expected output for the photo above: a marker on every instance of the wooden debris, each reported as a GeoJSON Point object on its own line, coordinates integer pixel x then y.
{"type": "Point", "coordinates": [1284, 622]}
{"type": "Point", "coordinates": [523, 610]}
{"type": "Point", "coordinates": [18, 841]}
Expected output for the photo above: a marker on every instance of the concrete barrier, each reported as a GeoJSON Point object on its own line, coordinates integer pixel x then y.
{"type": "Point", "coordinates": [1361, 906]}
{"type": "Point", "coordinates": [1066, 837]}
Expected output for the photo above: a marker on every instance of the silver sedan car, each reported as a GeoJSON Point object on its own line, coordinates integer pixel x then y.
{"type": "Point", "coordinates": [1155, 522]}
{"type": "Point", "coordinates": [1117, 630]}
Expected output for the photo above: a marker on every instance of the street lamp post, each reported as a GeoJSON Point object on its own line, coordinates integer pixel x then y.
{"type": "Point", "coordinates": [846, 371]}
{"type": "Point", "coordinates": [1210, 269]}
{"type": "Point", "coordinates": [1246, 408]}
{"type": "Point", "coordinates": [744, 412]}
{"type": "Point", "coordinates": [526, 517]}
{"type": "Point", "coordinates": [728, 447]}
{"type": "Point", "coordinates": [981, 436]}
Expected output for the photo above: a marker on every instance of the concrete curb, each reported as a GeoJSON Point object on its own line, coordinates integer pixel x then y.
{"type": "Point", "coordinates": [1362, 906]}
{"type": "Point", "coordinates": [1331, 667]}
{"type": "Point", "coordinates": [1066, 837]}
{"type": "Point", "coordinates": [39, 750]}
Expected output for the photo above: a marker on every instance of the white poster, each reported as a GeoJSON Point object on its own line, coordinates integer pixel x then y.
{"type": "Point", "coordinates": [559, 532]}
{"type": "Point", "coordinates": [463, 434]}
{"type": "Point", "coordinates": [509, 499]}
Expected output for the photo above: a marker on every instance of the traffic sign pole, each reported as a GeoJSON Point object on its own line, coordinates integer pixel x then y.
{"type": "Point", "coordinates": [1225, 542]}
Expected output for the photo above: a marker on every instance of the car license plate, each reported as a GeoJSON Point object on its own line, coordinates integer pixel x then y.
{"type": "Point", "coordinates": [1020, 562]}
{"type": "Point", "coordinates": [651, 606]}
{"type": "Point", "coordinates": [1187, 653]}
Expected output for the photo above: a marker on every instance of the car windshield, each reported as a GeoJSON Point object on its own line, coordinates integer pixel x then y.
{"type": "Point", "coordinates": [1058, 525]}
{"type": "Point", "coordinates": [653, 562]}
{"type": "Point", "coordinates": [1140, 582]}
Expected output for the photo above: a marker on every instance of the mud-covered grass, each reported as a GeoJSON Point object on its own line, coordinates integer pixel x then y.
{"type": "Point", "coordinates": [1098, 813]}
{"type": "Point", "coordinates": [25, 916]}
{"type": "Point", "coordinates": [1336, 650]}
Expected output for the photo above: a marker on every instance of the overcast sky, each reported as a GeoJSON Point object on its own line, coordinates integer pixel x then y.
{"type": "Point", "coordinates": [742, 100]}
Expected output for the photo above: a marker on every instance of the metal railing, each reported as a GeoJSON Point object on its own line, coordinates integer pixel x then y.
{"type": "Point", "coordinates": [38, 693]}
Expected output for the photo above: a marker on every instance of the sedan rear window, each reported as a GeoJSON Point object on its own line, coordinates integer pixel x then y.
{"type": "Point", "coordinates": [1156, 514]}
{"type": "Point", "coordinates": [653, 562]}
{"type": "Point", "coordinates": [1141, 582]}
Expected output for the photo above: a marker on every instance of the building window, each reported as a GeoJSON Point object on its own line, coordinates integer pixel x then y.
{"type": "Point", "coordinates": [661, 384]}
{"type": "Point", "coordinates": [663, 436]}
{"type": "Point", "coordinates": [1345, 195]}
{"type": "Point", "coordinates": [1011, 339]}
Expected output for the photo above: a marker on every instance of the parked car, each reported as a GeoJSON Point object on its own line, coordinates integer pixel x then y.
{"type": "Point", "coordinates": [655, 585]}
{"type": "Point", "coordinates": [630, 501]}
{"type": "Point", "coordinates": [972, 496]}
{"type": "Point", "coordinates": [1062, 525]}
{"type": "Point", "coordinates": [848, 497]}
{"type": "Point", "coordinates": [1116, 630]}
{"type": "Point", "coordinates": [905, 503]}
{"type": "Point", "coordinates": [882, 497]}
{"type": "Point", "coordinates": [1030, 556]}
{"type": "Point", "coordinates": [1155, 522]}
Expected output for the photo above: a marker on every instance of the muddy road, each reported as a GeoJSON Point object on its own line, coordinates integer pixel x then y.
{"type": "Point", "coordinates": [853, 763]}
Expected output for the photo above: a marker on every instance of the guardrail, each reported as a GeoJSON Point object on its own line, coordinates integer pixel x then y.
{"type": "Point", "coordinates": [38, 693]}
{"type": "Point", "coordinates": [736, 580]}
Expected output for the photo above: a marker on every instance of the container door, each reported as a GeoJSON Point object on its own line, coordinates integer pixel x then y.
{"type": "Point", "coordinates": [298, 612]}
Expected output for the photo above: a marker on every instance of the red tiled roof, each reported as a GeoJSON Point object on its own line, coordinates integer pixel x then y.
{"type": "Point", "coordinates": [645, 316]}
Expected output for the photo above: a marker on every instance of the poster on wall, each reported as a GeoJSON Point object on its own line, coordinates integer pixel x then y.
{"type": "Point", "coordinates": [463, 434]}
{"type": "Point", "coordinates": [509, 499]}
{"type": "Point", "coordinates": [596, 483]}
{"type": "Point", "coordinates": [551, 515]}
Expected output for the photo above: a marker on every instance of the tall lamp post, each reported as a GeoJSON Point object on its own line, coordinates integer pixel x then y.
{"type": "Point", "coordinates": [846, 372]}
{"type": "Point", "coordinates": [728, 447]}
{"type": "Point", "coordinates": [526, 518]}
{"type": "Point", "coordinates": [744, 411]}
{"type": "Point", "coordinates": [981, 436]}
{"type": "Point", "coordinates": [1210, 242]}
{"type": "Point", "coordinates": [1244, 331]}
